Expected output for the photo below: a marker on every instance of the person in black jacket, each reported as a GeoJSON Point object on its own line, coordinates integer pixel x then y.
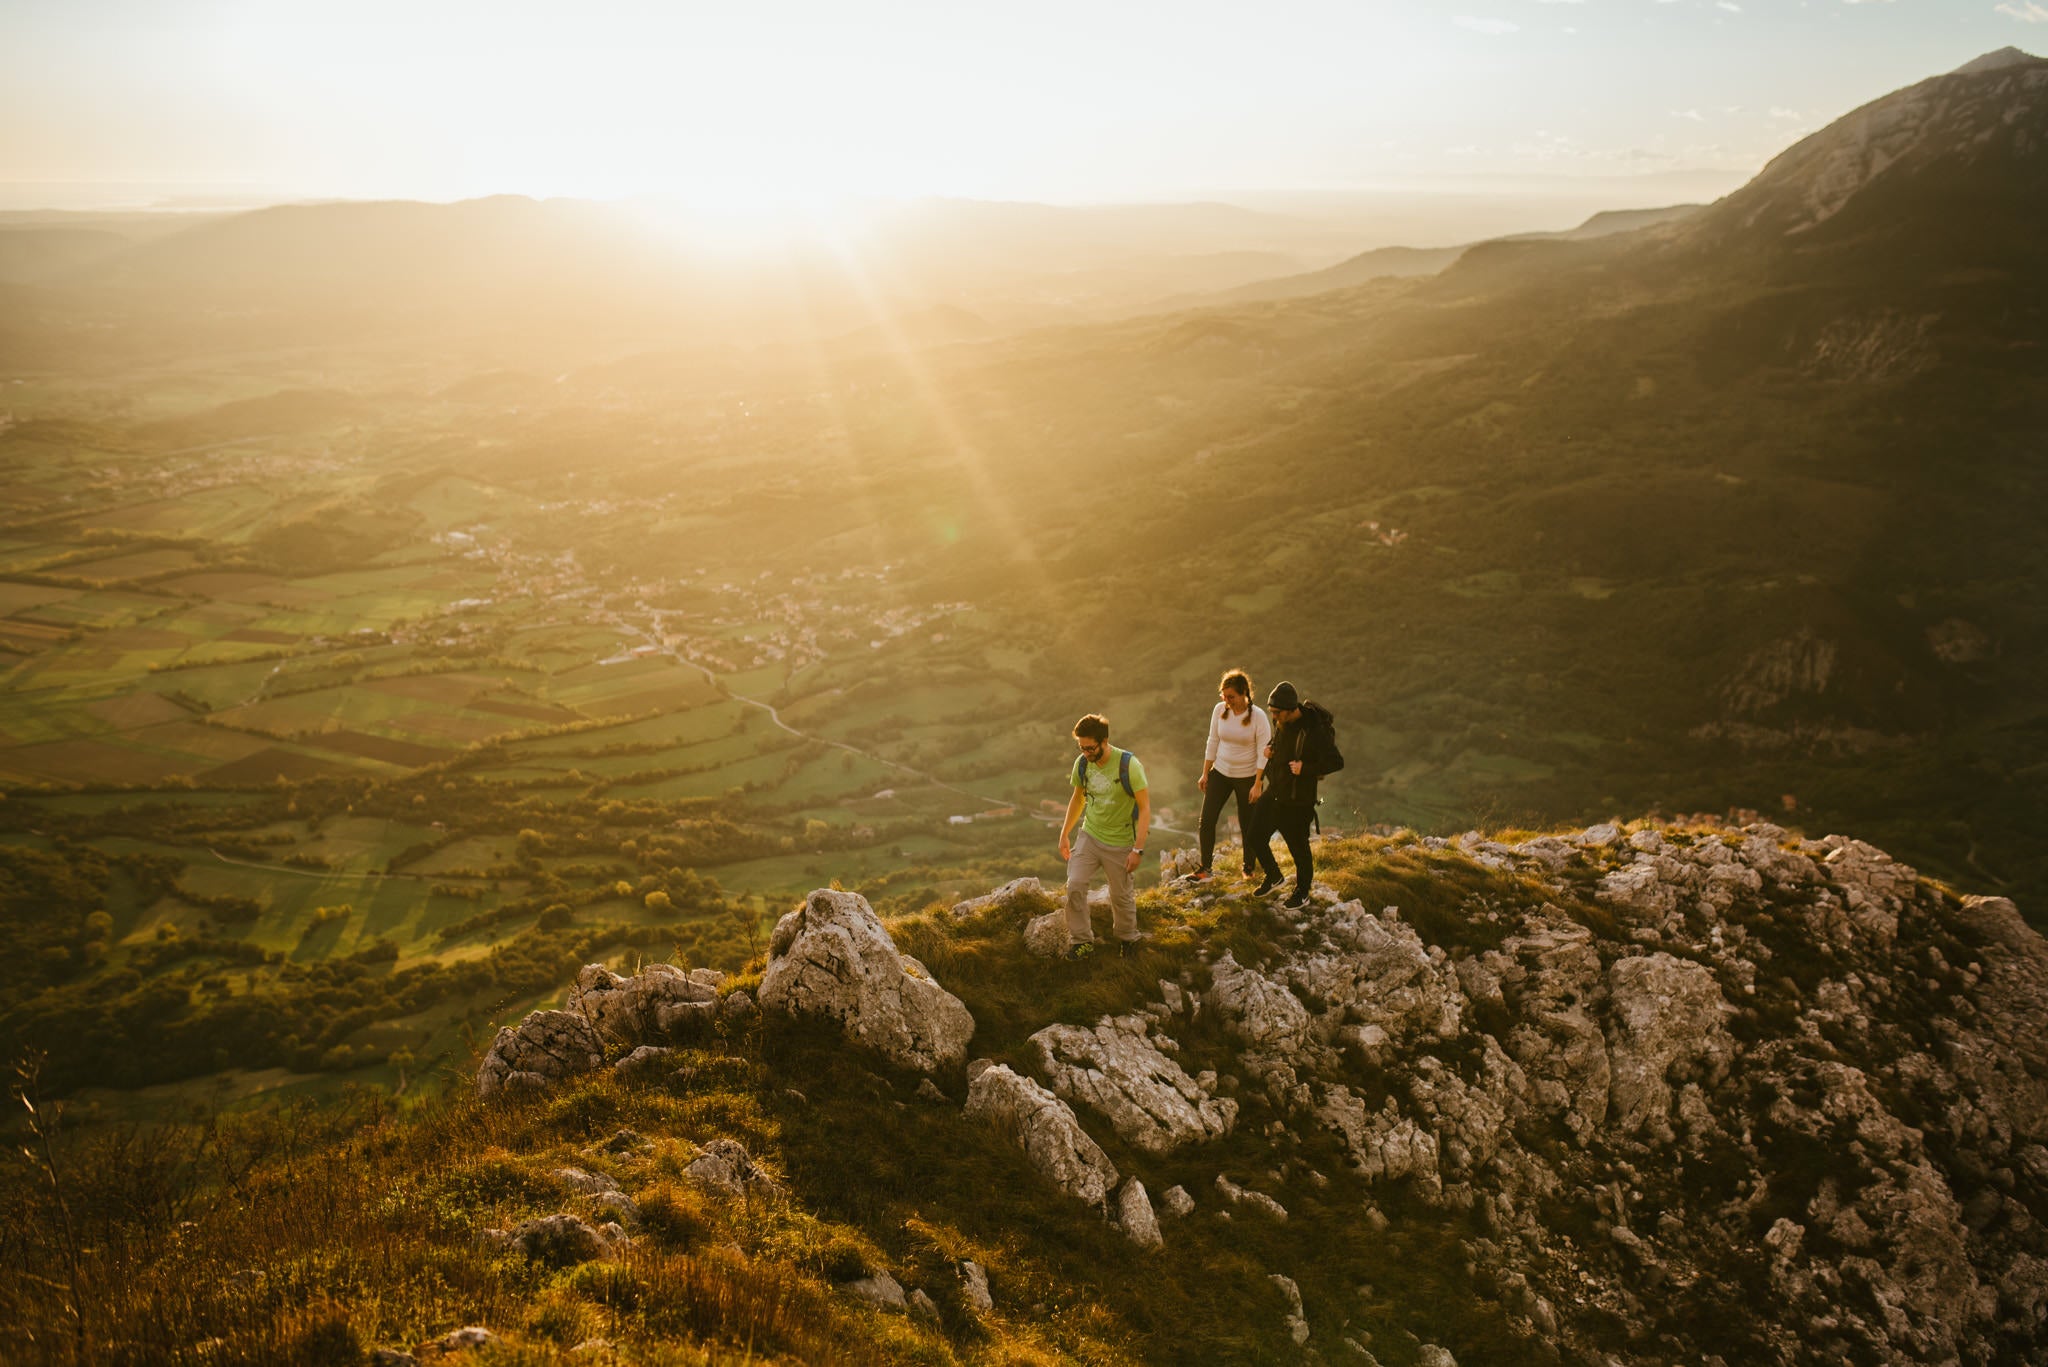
{"type": "Point", "coordinates": [1284, 793]}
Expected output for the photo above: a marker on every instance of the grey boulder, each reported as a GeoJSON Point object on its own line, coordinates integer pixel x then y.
{"type": "Point", "coordinates": [1114, 1067]}
{"type": "Point", "coordinates": [833, 959]}
{"type": "Point", "coordinates": [1045, 1128]}
{"type": "Point", "coordinates": [542, 1050]}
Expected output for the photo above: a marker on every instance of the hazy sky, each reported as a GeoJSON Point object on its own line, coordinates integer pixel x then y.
{"type": "Point", "coordinates": [773, 99]}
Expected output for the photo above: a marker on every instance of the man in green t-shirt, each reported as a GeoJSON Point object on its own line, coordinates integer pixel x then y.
{"type": "Point", "coordinates": [1114, 810]}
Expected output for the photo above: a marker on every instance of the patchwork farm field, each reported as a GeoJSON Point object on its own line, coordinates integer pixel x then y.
{"type": "Point", "coordinates": [314, 767]}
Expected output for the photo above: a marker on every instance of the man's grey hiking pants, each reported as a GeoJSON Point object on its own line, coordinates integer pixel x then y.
{"type": "Point", "coordinates": [1090, 854]}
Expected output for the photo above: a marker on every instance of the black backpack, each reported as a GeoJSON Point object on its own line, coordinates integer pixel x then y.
{"type": "Point", "coordinates": [1323, 733]}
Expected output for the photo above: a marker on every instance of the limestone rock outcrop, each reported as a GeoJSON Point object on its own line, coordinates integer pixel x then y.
{"type": "Point", "coordinates": [1376, 972]}
{"type": "Point", "coordinates": [540, 1051]}
{"type": "Point", "coordinates": [1018, 895]}
{"type": "Point", "coordinates": [1134, 1215]}
{"type": "Point", "coordinates": [658, 1001]}
{"type": "Point", "coordinates": [1115, 1068]}
{"type": "Point", "coordinates": [560, 1241]}
{"type": "Point", "coordinates": [726, 1167]}
{"type": "Point", "coordinates": [1712, 1025]}
{"type": "Point", "coordinates": [1046, 1129]}
{"type": "Point", "coordinates": [832, 958]}
{"type": "Point", "coordinates": [1669, 1016]}
{"type": "Point", "coordinates": [1261, 1011]}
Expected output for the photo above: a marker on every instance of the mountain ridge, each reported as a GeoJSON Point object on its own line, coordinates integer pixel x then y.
{"type": "Point", "coordinates": [1624, 1094]}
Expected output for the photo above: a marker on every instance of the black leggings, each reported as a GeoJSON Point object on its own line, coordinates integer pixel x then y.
{"type": "Point", "coordinates": [1291, 821]}
{"type": "Point", "coordinates": [1221, 786]}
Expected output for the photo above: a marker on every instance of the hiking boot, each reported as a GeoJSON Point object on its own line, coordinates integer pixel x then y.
{"type": "Point", "coordinates": [1081, 949]}
{"type": "Point", "coordinates": [1297, 901]}
{"type": "Point", "coordinates": [1127, 949]}
{"type": "Point", "coordinates": [1272, 881]}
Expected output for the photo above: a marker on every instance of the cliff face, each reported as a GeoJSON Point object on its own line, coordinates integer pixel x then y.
{"type": "Point", "coordinates": [1787, 1106]}
{"type": "Point", "coordinates": [1635, 1095]}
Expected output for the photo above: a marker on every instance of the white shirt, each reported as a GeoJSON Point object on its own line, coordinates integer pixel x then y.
{"type": "Point", "coordinates": [1237, 745]}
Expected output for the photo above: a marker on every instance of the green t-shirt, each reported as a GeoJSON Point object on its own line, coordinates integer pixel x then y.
{"type": "Point", "coordinates": [1108, 813]}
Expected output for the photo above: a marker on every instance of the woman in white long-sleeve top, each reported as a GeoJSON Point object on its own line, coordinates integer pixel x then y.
{"type": "Point", "coordinates": [1238, 732]}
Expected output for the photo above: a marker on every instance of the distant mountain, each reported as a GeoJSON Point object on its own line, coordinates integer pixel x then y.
{"type": "Point", "coordinates": [1994, 61]}
{"type": "Point", "coordinates": [1954, 160]}
{"type": "Point", "coordinates": [1385, 262]}
{"type": "Point", "coordinates": [644, 271]}
{"type": "Point", "coordinates": [32, 254]}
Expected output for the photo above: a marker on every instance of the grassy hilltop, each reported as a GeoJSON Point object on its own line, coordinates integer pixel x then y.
{"type": "Point", "coordinates": [309, 1235]}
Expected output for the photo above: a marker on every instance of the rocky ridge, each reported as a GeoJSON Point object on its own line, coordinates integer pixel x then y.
{"type": "Point", "coordinates": [1707, 1095]}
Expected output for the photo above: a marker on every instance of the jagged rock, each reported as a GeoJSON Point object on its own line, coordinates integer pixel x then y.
{"type": "Point", "coordinates": [726, 1167]}
{"type": "Point", "coordinates": [1384, 1144]}
{"type": "Point", "coordinates": [1045, 1128]}
{"type": "Point", "coordinates": [542, 1050]}
{"type": "Point", "coordinates": [644, 1063]}
{"type": "Point", "coordinates": [737, 1008]}
{"type": "Point", "coordinates": [1430, 1355]}
{"type": "Point", "coordinates": [1377, 972]}
{"type": "Point", "coordinates": [1017, 895]}
{"type": "Point", "coordinates": [974, 1286]}
{"type": "Point", "coordinates": [832, 958]}
{"type": "Point", "coordinates": [924, 1307]}
{"type": "Point", "coordinates": [1242, 1196]}
{"type": "Point", "coordinates": [587, 1183]}
{"type": "Point", "coordinates": [559, 1240]}
{"type": "Point", "coordinates": [881, 1290]}
{"type": "Point", "coordinates": [1134, 1216]}
{"type": "Point", "coordinates": [1553, 852]}
{"type": "Point", "coordinates": [1873, 886]}
{"type": "Point", "coordinates": [1469, 1119]}
{"type": "Point", "coordinates": [1178, 1203]}
{"type": "Point", "coordinates": [1146, 1096]}
{"type": "Point", "coordinates": [1297, 1326]}
{"type": "Point", "coordinates": [469, 1336]}
{"type": "Point", "coordinates": [1641, 890]}
{"type": "Point", "coordinates": [1261, 1011]}
{"type": "Point", "coordinates": [1668, 1014]}
{"type": "Point", "coordinates": [658, 1001]}
{"type": "Point", "coordinates": [2008, 1066]}
{"type": "Point", "coordinates": [1047, 936]}
{"type": "Point", "coordinates": [1550, 976]}
{"type": "Point", "coordinates": [927, 1090]}
{"type": "Point", "coordinates": [1763, 849]}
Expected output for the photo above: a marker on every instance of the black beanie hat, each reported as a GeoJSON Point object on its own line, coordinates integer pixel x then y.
{"type": "Point", "coordinates": [1283, 698]}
